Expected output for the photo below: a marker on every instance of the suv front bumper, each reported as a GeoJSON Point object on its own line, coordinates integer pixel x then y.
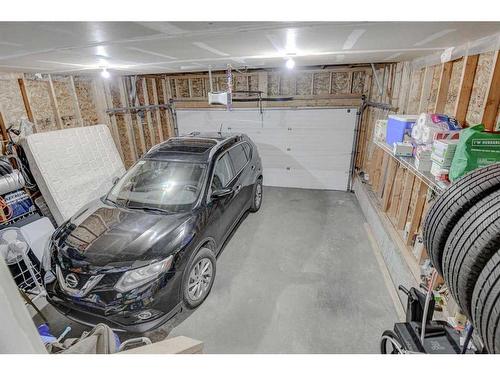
{"type": "Point", "coordinates": [130, 322]}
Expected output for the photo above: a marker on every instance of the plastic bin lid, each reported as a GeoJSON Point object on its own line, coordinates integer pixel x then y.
{"type": "Point", "coordinates": [406, 118]}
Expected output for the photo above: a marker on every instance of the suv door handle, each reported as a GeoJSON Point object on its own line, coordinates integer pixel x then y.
{"type": "Point", "coordinates": [253, 167]}
{"type": "Point", "coordinates": [238, 188]}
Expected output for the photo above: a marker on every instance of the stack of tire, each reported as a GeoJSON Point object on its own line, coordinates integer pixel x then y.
{"type": "Point", "coordinates": [462, 236]}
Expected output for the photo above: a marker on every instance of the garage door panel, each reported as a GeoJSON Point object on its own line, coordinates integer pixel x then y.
{"type": "Point", "coordinates": [321, 141]}
{"type": "Point", "coordinates": [296, 178]}
{"type": "Point", "coordinates": [313, 119]}
{"type": "Point", "coordinates": [303, 148]}
{"type": "Point", "coordinates": [321, 162]}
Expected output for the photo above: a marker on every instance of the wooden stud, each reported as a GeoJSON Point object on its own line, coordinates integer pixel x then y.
{"type": "Point", "coordinates": [426, 89]}
{"type": "Point", "coordinates": [149, 119]}
{"type": "Point", "coordinates": [372, 167]}
{"type": "Point", "coordinates": [396, 194]}
{"type": "Point", "coordinates": [312, 84]}
{"type": "Point", "coordinates": [389, 182]}
{"type": "Point", "coordinates": [53, 102]}
{"type": "Point", "coordinates": [128, 118]}
{"type": "Point", "coordinates": [138, 119]}
{"type": "Point", "coordinates": [383, 173]}
{"type": "Point", "coordinates": [417, 212]}
{"type": "Point", "coordinates": [3, 132]}
{"type": "Point", "coordinates": [166, 97]}
{"type": "Point", "coordinates": [465, 88]}
{"type": "Point", "coordinates": [349, 87]}
{"type": "Point", "coordinates": [493, 98]}
{"type": "Point", "coordinates": [74, 98]}
{"type": "Point", "coordinates": [100, 100]}
{"type": "Point", "coordinates": [114, 126]}
{"type": "Point", "coordinates": [26, 102]}
{"type": "Point", "coordinates": [444, 85]}
{"type": "Point", "coordinates": [377, 169]}
{"type": "Point", "coordinates": [190, 88]}
{"type": "Point", "coordinates": [157, 111]}
{"type": "Point", "coordinates": [168, 85]}
{"type": "Point", "coordinates": [263, 82]}
{"type": "Point", "coordinates": [377, 165]}
{"type": "Point", "coordinates": [404, 204]}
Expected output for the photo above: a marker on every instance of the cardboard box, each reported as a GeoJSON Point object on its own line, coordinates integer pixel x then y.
{"type": "Point", "coordinates": [402, 149]}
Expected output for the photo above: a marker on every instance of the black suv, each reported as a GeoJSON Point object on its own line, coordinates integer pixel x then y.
{"type": "Point", "coordinates": [132, 258]}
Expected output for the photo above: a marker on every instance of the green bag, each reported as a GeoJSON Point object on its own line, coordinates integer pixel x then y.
{"type": "Point", "coordinates": [476, 148]}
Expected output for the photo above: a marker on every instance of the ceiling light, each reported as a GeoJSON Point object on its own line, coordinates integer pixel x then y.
{"type": "Point", "coordinates": [105, 73]}
{"type": "Point", "coordinates": [290, 64]}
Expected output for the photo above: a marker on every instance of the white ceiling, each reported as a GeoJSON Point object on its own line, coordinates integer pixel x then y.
{"type": "Point", "coordinates": [154, 47]}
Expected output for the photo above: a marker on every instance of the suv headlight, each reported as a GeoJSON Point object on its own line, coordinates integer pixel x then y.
{"type": "Point", "coordinates": [47, 263]}
{"type": "Point", "coordinates": [139, 276]}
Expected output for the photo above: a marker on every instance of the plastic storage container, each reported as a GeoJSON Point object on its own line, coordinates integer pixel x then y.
{"type": "Point", "coordinates": [397, 126]}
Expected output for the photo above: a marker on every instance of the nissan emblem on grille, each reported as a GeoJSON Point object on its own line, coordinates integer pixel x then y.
{"type": "Point", "coordinates": [71, 280]}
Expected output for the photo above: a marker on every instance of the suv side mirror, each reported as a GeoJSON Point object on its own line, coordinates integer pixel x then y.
{"type": "Point", "coordinates": [115, 180]}
{"type": "Point", "coordinates": [221, 193]}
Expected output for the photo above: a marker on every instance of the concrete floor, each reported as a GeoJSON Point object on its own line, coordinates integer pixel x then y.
{"type": "Point", "coordinates": [299, 276]}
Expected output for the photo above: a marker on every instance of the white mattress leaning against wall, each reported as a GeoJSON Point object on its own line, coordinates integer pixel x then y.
{"type": "Point", "coordinates": [73, 166]}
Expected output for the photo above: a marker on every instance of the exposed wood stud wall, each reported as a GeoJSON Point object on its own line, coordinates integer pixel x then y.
{"type": "Point", "coordinates": [444, 84]}
{"type": "Point", "coordinates": [493, 96]}
{"type": "Point", "coordinates": [468, 88]}
{"type": "Point", "coordinates": [76, 104]}
{"type": "Point", "coordinates": [465, 90]}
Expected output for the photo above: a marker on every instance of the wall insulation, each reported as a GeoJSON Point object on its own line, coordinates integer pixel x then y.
{"type": "Point", "coordinates": [436, 74]}
{"type": "Point", "coordinates": [479, 88]}
{"type": "Point", "coordinates": [65, 101]}
{"type": "Point", "coordinates": [39, 96]}
{"type": "Point", "coordinates": [11, 101]}
{"type": "Point", "coordinates": [84, 88]}
{"type": "Point", "coordinates": [454, 88]}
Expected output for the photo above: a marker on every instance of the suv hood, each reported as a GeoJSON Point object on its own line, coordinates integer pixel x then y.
{"type": "Point", "coordinates": [103, 238]}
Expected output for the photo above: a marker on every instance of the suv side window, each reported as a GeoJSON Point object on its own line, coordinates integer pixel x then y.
{"type": "Point", "coordinates": [222, 173]}
{"type": "Point", "coordinates": [238, 157]}
{"type": "Point", "coordinates": [248, 150]}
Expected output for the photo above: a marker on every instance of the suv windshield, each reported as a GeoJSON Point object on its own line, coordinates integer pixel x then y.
{"type": "Point", "coordinates": [159, 185]}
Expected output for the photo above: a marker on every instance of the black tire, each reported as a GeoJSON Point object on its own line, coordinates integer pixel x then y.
{"type": "Point", "coordinates": [472, 243]}
{"type": "Point", "coordinates": [256, 203]}
{"type": "Point", "coordinates": [452, 204]}
{"type": "Point", "coordinates": [202, 254]}
{"type": "Point", "coordinates": [486, 305]}
{"type": "Point", "coordinates": [386, 341]}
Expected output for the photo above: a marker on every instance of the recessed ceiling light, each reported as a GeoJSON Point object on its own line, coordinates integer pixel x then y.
{"type": "Point", "coordinates": [105, 73]}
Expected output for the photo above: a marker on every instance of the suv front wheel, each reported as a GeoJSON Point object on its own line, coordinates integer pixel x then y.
{"type": "Point", "coordinates": [199, 278]}
{"type": "Point", "coordinates": [257, 196]}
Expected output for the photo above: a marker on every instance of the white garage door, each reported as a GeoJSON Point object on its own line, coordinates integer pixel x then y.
{"type": "Point", "coordinates": [303, 148]}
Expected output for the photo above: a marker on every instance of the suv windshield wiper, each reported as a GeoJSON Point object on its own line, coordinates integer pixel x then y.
{"type": "Point", "coordinates": [150, 209]}
{"type": "Point", "coordinates": [111, 202]}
